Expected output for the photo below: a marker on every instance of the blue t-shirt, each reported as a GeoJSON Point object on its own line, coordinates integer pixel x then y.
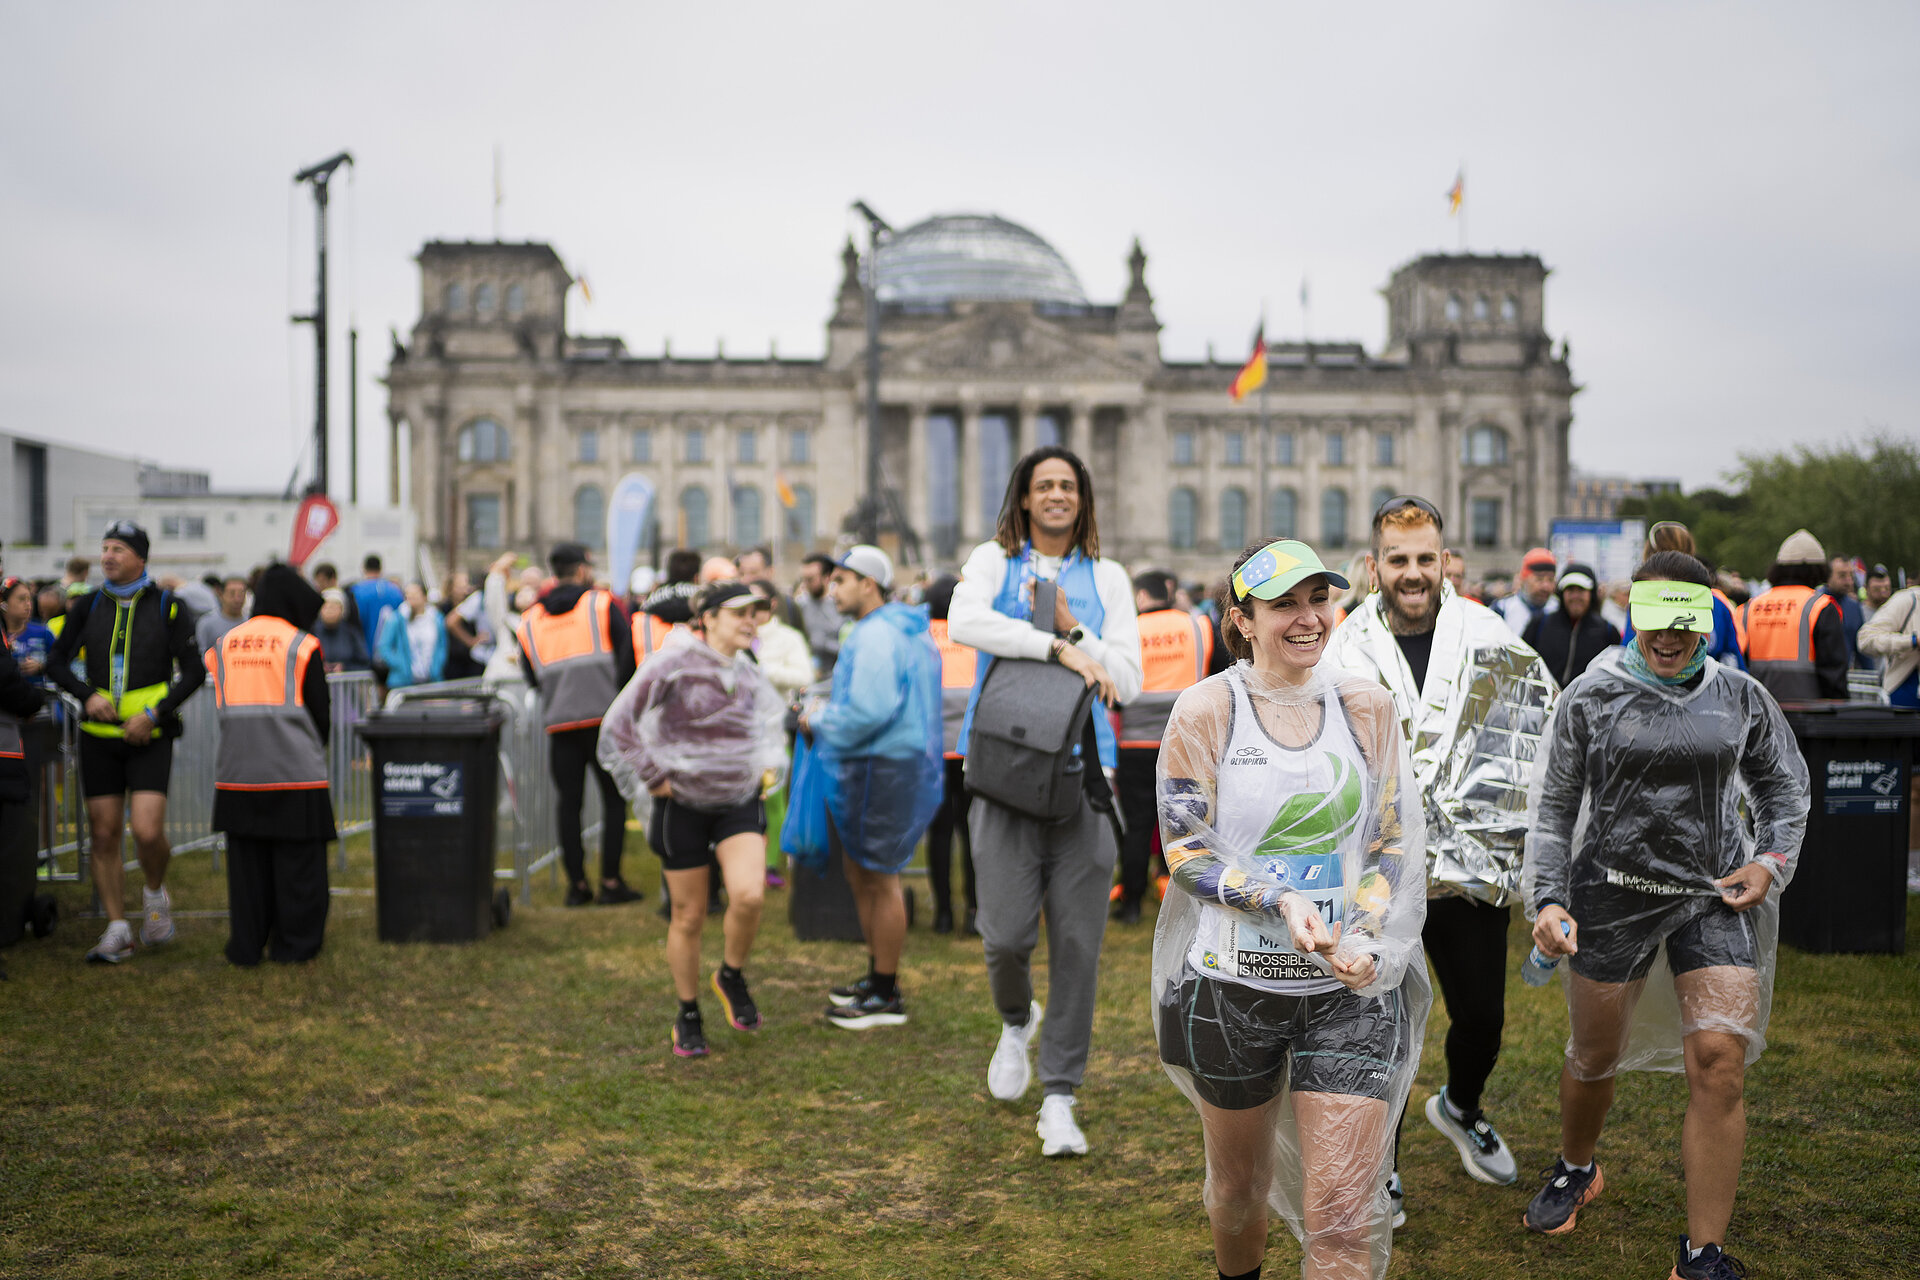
{"type": "Point", "coordinates": [375, 598]}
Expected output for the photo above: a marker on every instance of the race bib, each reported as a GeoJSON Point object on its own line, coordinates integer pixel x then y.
{"type": "Point", "coordinates": [1266, 952]}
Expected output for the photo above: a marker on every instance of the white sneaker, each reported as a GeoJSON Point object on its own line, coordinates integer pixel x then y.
{"type": "Point", "coordinates": [1483, 1152]}
{"type": "Point", "coordinates": [1009, 1074]}
{"type": "Point", "coordinates": [115, 945]}
{"type": "Point", "coordinates": [1396, 1202]}
{"type": "Point", "coordinates": [158, 926]}
{"type": "Point", "coordinates": [1059, 1135]}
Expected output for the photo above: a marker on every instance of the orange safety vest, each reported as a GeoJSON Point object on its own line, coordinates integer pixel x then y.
{"type": "Point", "coordinates": [958, 664]}
{"type": "Point", "coordinates": [571, 656]}
{"type": "Point", "coordinates": [1776, 630]}
{"type": "Point", "coordinates": [267, 739]}
{"type": "Point", "coordinates": [1175, 648]}
{"type": "Point", "coordinates": [1739, 621]}
{"type": "Point", "coordinates": [649, 634]}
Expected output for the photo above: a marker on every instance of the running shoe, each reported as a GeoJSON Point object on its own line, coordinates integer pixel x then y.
{"type": "Point", "coordinates": [737, 1001]}
{"type": "Point", "coordinates": [157, 928]}
{"type": "Point", "coordinates": [115, 945]}
{"type": "Point", "coordinates": [869, 1011]}
{"type": "Point", "coordinates": [1567, 1191]}
{"type": "Point", "coordinates": [1712, 1264]}
{"type": "Point", "coordinates": [612, 895]}
{"type": "Point", "coordinates": [851, 993]}
{"type": "Point", "coordinates": [1059, 1135]}
{"type": "Point", "coordinates": [1482, 1151]}
{"type": "Point", "coordinates": [579, 895]}
{"type": "Point", "coordinates": [1396, 1202]}
{"type": "Point", "coordinates": [775, 880]}
{"type": "Point", "coordinates": [1009, 1074]}
{"type": "Point", "coordinates": [689, 1039]}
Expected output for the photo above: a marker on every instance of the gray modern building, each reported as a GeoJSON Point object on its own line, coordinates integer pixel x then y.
{"type": "Point", "coordinates": [514, 430]}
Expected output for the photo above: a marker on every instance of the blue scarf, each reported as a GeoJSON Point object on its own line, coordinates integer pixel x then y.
{"type": "Point", "coordinates": [128, 590]}
{"type": "Point", "coordinates": [1638, 668]}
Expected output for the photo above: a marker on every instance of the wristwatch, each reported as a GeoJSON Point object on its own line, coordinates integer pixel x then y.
{"type": "Point", "coordinates": [1076, 635]}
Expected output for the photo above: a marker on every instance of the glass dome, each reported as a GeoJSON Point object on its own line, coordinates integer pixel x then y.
{"type": "Point", "coordinates": [973, 257]}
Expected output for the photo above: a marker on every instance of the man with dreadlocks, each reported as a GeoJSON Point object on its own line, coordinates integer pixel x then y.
{"type": "Point", "coordinates": [1027, 868]}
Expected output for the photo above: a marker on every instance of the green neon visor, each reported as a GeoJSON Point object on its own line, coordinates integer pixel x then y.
{"type": "Point", "coordinates": [1277, 567]}
{"type": "Point", "coordinates": [1671, 606]}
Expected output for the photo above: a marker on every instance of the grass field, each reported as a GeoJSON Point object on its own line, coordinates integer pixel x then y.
{"type": "Point", "coordinates": [510, 1110]}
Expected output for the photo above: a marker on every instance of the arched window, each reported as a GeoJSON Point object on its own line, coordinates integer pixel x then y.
{"type": "Point", "coordinates": [1283, 513]}
{"type": "Point", "coordinates": [516, 299]}
{"type": "Point", "coordinates": [1509, 309]}
{"type": "Point", "coordinates": [1183, 515]}
{"type": "Point", "coordinates": [1481, 309]}
{"type": "Point", "coordinates": [483, 299]}
{"type": "Point", "coordinates": [590, 516]}
{"type": "Point", "coordinates": [1484, 446]}
{"type": "Point", "coordinates": [1233, 519]}
{"type": "Point", "coordinates": [693, 517]}
{"type": "Point", "coordinates": [484, 440]}
{"type": "Point", "coordinates": [1453, 306]}
{"type": "Point", "coordinates": [455, 298]}
{"type": "Point", "coordinates": [746, 515]}
{"type": "Point", "coordinates": [1380, 498]}
{"type": "Point", "coordinates": [800, 516]}
{"type": "Point", "coordinates": [1333, 518]}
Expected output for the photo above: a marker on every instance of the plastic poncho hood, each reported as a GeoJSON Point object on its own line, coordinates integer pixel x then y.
{"type": "Point", "coordinates": [1269, 791]}
{"type": "Point", "coordinates": [1644, 795]}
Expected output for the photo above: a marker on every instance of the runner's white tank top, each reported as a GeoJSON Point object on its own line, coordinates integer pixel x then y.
{"type": "Point", "coordinates": [1296, 816]}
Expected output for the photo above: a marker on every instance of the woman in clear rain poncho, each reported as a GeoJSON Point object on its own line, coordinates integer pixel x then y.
{"type": "Point", "coordinates": [1288, 978]}
{"type": "Point", "coordinates": [702, 730]}
{"type": "Point", "coordinates": [1640, 869]}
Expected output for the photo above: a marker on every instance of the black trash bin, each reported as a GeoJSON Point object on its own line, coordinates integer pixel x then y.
{"type": "Point", "coordinates": [435, 789]}
{"type": "Point", "coordinates": [1849, 892]}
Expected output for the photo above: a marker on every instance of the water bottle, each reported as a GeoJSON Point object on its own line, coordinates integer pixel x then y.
{"type": "Point", "coordinates": [1539, 968]}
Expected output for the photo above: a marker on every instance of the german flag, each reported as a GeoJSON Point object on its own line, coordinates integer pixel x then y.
{"type": "Point", "coordinates": [784, 491]}
{"type": "Point", "coordinates": [1457, 193]}
{"type": "Point", "coordinates": [1254, 372]}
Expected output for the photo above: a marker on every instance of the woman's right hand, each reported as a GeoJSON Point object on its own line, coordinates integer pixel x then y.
{"type": "Point", "coordinates": [1547, 935]}
{"type": "Point", "coordinates": [1309, 932]}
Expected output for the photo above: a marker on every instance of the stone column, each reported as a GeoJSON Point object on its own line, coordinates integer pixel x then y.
{"type": "Point", "coordinates": [1080, 432]}
{"type": "Point", "coordinates": [917, 481]}
{"type": "Point", "coordinates": [970, 492]}
{"type": "Point", "coordinates": [1026, 426]}
{"type": "Point", "coordinates": [393, 459]}
{"type": "Point", "coordinates": [1309, 449]}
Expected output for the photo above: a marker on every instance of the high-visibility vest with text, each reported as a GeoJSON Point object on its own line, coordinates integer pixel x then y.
{"type": "Point", "coordinates": [571, 656]}
{"type": "Point", "coordinates": [649, 635]}
{"type": "Point", "coordinates": [958, 664]}
{"type": "Point", "coordinates": [1778, 629]}
{"type": "Point", "coordinates": [267, 739]}
{"type": "Point", "coordinates": [1175, 648]}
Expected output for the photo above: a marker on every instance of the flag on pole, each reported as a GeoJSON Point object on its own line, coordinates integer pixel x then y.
{"type": "Point", "coordinates": [784, 492]}
{"type": "Point", "coordinates": [1254, 372]}
{"type": "Point", "coordinates": [585, 291]}
{"type": "Point", "coordinates": [1457, 193]}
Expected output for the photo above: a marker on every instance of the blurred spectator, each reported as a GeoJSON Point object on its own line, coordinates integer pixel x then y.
{"type": "Point", "coordinates": [1893, 637]}
{"type": "Point", "coordinates": [1879, 590]}
{"type": "Point", "coordinates": [470, 637]}
{"type": "Point", "coordinates": [781, 651]}
{"type": "Point", "coordinates": [754, 562]}
{"type": "Point", "coordinates": [412, 645]}
{"type": "Point", "coordinates": [76, 575]}
{"type": "Point", "coordinates": [1574, 634]}
{"type": "Point", "coordinates": [374, 598]}
{"type": "Point", "coordinates": [1454, 567]}
{"type": "Point", "coordinates": [1533, 593]}
{"type": "Point", "coordinates": [325, 579]}
{"type": "Point", "coordinates": [211, 627]}
{"type": "Point", "coordinates": [1614, 607]}
{"type": "Point", "coordinates": [27, 638]}
{"type": "Point", "coordinates": [1792, 633]}
{"type": "Point", "coordinates": [718, 569]}
{"type": "Point", "coordinates": [1841, 585]}
{"type": "Point", "coordinates": [819, 617]}
{"type": "Point", "coordinates": [342, 646]}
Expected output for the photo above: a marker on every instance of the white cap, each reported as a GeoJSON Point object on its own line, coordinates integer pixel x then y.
{"type": "Point", "coordinates": [869, 562]}
{"type": "Point", "coordinates": [642, 580]}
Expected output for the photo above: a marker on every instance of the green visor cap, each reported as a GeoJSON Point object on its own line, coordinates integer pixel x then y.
{"type": "Point", "coordinates": [1277, 567]}
{"type": "Point", "coordinates": [1671, 606]}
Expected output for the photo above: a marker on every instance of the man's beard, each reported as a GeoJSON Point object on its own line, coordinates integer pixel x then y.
{"type": "Point", "coordinates": [1402, 623]}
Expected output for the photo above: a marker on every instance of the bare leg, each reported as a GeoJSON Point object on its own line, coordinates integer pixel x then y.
{"type": "Point", "coordinates": [1600, 1013]}
{"type": "Point", "coordinates": [743, 866]}
{"type": "Point", "coordinates": [1713, 1137]}
{"type": "Point", "coordinates": [1239, 1174]}
{"type": "Point", "coordinates": [106, 815]}
{"type": "Point", "coordinates": [688, 891]}
{"type": "Point", "coordinates": [1345, 1150]}
{"type": "Point", "coordinates": [150, 836]}
{"type": "Point", "coordinates": [883, 914]}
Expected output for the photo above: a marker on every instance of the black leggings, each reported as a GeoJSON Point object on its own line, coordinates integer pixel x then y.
{"type": "Point", "coordinates": [1466, 943]}
{"type": "Point", "coordinates": [950, 821]}
{"type": "Point", "coordinates": [569, 755]}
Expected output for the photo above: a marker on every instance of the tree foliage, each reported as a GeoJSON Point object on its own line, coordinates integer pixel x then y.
{"type": "Point", "coordinates": [1858, 500]}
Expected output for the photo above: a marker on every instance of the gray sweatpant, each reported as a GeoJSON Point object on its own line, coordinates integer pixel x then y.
{"type": "Point", "coordinates": [1065, 869]}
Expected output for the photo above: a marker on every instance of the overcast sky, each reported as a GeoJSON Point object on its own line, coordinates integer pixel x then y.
{"type": "Point", "coordinates": [1726, 193]}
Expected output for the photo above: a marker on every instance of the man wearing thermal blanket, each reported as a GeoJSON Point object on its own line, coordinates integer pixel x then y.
{"type": "Point", "coordinates": [1641, 872]}
{"type": "Point", "coordinates": [1290, 990]}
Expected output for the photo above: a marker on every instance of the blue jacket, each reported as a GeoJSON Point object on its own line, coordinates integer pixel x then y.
{"type": "Point", "coordinates": [886, 688]}
{"type": "Point", "coordinates": [394, 649]}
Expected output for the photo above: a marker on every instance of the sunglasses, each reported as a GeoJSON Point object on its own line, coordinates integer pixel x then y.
{"type": "Point", "coordinates": [1401, 503]}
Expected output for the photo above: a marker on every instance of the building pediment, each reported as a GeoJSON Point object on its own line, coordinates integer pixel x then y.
{"type": "Point", "coordinates": [1005, 342]}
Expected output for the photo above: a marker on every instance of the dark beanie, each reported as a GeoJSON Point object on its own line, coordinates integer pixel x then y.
{"type": "Point", "coordinates": [130, 533]}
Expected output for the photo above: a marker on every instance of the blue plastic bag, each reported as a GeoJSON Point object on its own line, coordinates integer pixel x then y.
{"type": "Point", "coordinates": [803, 836]}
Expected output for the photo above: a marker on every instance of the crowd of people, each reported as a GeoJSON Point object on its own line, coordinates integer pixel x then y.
{"type": "Point", "coordinates": [1348, 774]}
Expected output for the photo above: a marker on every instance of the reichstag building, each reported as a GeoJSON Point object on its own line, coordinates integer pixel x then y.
{"type": "Point", "coordinates": [516, 431]}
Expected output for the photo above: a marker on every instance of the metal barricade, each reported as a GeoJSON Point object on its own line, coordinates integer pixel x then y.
{"type": "Point", "coordinates": [350, 696]}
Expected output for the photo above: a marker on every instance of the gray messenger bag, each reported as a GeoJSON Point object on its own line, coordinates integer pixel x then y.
{"type": "Point", "coordinates": [1030, 717]}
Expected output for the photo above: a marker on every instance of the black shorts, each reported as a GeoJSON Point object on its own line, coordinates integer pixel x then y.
{"type": "Point", "coordinates": [1236, 1040]}
{"type": "Point", "coordinates": [685, 838]}
{"type": "Point", "coordinates": [1620, 934]}
{"type": "Point", "coordinates": [114, 766]}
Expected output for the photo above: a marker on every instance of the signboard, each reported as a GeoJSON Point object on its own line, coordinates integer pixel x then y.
{"type": "Point", "coordinates": [1613, 547]}
{"type": "Point", "coordinates": [410, 789]}
{"type": "Point", "coordinates": [1865, 786]}
{"type": "Point", "coordinates": [627, 516]}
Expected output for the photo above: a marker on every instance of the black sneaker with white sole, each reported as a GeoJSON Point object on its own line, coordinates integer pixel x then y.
{"type": "Point", "coordinates": [849, 993]}
{"type": "Point", "coordinates": [1710, 1264]}
{"type": "Point", "coordinates": [869, 1011]}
